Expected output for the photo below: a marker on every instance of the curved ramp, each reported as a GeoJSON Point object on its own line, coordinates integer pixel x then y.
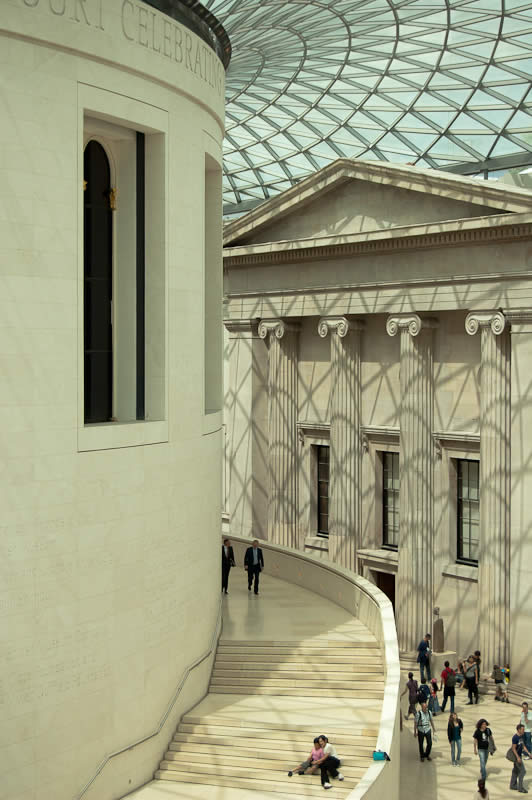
{"type": "Point", "coordinates": [289, 665]}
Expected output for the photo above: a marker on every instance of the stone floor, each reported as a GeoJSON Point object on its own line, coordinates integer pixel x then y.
{"type": "Point", "coordinates": [439, 779]}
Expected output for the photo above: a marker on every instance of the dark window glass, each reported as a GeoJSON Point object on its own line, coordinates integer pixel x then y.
{"type": "Point", "coordinates": [390, 500]}
{"type": "Point", "coordinates": [323, 491]}
{"type": "Point", "coordinates": [97, 285]}
{"type": "Point", "coordinates": [467, 511]}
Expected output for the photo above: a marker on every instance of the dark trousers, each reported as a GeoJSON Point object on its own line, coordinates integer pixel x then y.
{"type": "Point", "coordinates": [472, 689]}
{"type": "Point", "coordinates": [254, 572]}
{"type": "Point", "coordinates": [518, 773]}
{"type": "Point", "coordinates": [448, 693]}
{"type": "Point", "coordinates": [329, 766]}
{"type": "Point", "coordinates": [424, 666]}
{"type": "Point", "coordinates": [428, 737]}
{"type": "Point", "coordinates": [226, 568]}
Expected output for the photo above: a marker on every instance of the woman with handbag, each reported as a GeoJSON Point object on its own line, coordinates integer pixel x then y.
{"type": "Point", "coordinates": [481, 744]}
{"type": "Point", "coordinates": [454, 734]}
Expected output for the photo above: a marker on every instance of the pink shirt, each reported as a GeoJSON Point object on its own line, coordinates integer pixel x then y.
{"type": "Point", "coordinates": [317, 754]}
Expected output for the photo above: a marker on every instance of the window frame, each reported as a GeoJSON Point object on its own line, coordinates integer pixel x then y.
{"type": "Point", "coordinates": [113, 109]}
{"type": "Point", "coordinates": [460, 558]}
{"type": "Point", "coordinates": [323, 534]}
{"type": "Point", "coordinates": [395, 458]}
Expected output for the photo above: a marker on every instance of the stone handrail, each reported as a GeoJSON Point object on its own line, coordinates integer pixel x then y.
{"type": "Point", "coordinates": [371, 606]}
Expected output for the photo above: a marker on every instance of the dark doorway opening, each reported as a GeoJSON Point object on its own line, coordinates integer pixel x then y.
{"type": "Point", "coordinates": [386, 583]}
{"type": "Point", "coordinates": [98, 285]}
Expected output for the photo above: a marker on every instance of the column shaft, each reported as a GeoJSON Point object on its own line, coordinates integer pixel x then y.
{"type": "Point", "coordinates": [282, 432]}
{"type": "Point", "coordinates": [494, 545]}
{"type": "Point", "coordinates": [415, 582]}
{"type": "Point", "coordinates": [345, 450]}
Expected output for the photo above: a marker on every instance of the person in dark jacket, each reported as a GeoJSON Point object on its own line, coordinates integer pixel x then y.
{"type": "Point", "coordinates": [254, 564]}
{"type": "Point", "coordinates": [423, 657]}
{"type": "Point", "coordinates": [454, 734]}
{"type": "Point", "coordinates": [228, 561]}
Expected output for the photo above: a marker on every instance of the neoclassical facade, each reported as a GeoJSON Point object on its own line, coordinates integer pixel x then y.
{"type": "Point", "coordinates": [378, 326]}
{"type": "Point", "coordinates": [110, 388]}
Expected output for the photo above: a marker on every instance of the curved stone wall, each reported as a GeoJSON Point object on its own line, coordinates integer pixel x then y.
{"type": "Point", "coordinates": [371, 606]}
{"type": "Point", "coordinates": [106, 529]}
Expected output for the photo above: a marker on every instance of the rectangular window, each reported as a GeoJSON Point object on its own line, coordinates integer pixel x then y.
{"type": "Point", "coordinates": [390, 500]}
{"type": "Point", "coordinates": [467, 473]}
{"type": "Point", "coordinates": [323, 490]}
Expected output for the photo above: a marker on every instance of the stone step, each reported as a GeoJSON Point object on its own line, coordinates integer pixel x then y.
{"type": "Point", "coordinates": [294, 650]}
{"type": "Point", "coordinates": [273, 777]}
{"type": "Point", "coordinates": [366, 662]}
{"type": "Point", "coordinates": [248, 751]}
{"type": "Point", "coordinates": [363, 694]}
{"type": "Point", "coordinates": [281, 675]}
{"type": "Point", "coordinates": [298, 737]}
{"type": "Point", "coordinates": [299, 666]}
{"type": "Point", "coordinates": [296, 682]}
{"type": "Point", "coordinates": [312, 643]}
{"type": "Point", "coordinates": [301, 785]}
{"type": "Point", "coordinates": [277, 768]}
{"type": "Point", "coordinates": [345, 670]}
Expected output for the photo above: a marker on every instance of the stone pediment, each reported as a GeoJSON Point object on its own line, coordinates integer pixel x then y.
{"type": "Point", "coordinates": [350, 197]}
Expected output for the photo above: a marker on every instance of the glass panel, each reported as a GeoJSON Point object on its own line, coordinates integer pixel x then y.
{"type": "Point", "coordinates": [467, 511]}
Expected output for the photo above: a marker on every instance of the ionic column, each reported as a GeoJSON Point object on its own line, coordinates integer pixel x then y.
{"type": "Point", "coordinates": [282, 430]}
{"type": "Point", "coordinates": [344, 480]}
{"type": "Point", "coordinates": [494, 484]}
{"type": "Point", "coordinates": [414, 589]}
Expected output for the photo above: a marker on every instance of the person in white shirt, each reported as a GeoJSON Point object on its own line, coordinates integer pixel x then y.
{"type": "Point", "coordinates": [526, 720]}
{"type": "Point", "coordinates": [329, 763]}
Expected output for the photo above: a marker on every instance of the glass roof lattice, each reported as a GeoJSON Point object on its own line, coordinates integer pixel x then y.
{"type": "Point", "coordinates": [439, 84]}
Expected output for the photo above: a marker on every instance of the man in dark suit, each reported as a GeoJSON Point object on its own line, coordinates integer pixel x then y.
{"type": "Point", "coordinates": [228, 561]}
{"type": "Point", "coordinates": [254, 563]}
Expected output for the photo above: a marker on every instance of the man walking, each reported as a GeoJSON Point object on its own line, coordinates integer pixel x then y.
{"type": "Point", "coordinates": [448, 683]}
{"type": "Point", "coordinates": [228, 561]}
{"type": "Point", "coordinates": [518, 770]}
{"type": "Point", "coordinates": [423, 728]}
{"type": "Point", "coordinates": [526, 721]}
{"type": "Point", "coordinates": [423, 657]}
{"type": "Point", "coordinates": [254, 563]}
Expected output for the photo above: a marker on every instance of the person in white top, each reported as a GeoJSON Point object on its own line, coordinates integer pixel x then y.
{"type": "Point", "coordinates": [329, 763]}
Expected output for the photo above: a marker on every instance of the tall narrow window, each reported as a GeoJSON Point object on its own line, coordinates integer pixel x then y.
{"type": "Point", "coordinates": [467, 473]}
{"type": "Point", "coordinates": [98, 285]}
{"type": "Point", "coordinates": [390, 500]}
{"type": "Point", "coordinates": [323, 490]}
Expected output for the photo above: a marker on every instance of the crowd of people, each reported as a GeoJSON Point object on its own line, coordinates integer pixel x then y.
{"type": "Point", "coordinates": [424, 705]}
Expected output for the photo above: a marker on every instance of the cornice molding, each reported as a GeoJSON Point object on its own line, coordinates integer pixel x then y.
{"type": "Point", "coordinates": [340, 325]}
{"type": "Point", "coordinates": [476, 320]}
{"type": "Point", "coordinates": [518, 315]}
{"type": "Point", "coordinates": [409, 321]}
{"type": "Point", "coordinates": [242, 325]}
{"type": "Point", "coordinates": [276, 327]}
{"type": "Point", "coordinates": [384, 246]}
{"type": "Point", "coordinates": [319, 430]}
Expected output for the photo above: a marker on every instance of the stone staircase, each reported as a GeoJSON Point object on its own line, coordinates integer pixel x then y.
{"type": "Point", "coordinates": [243, 753]}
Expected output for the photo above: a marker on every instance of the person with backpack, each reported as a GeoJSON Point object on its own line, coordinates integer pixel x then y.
{"type": "Point", "coordinates": [423, 729]}
{"type": "Point", "coordinates": [423, 693]}
{"type": "Point", "coordinates": [448, 684]}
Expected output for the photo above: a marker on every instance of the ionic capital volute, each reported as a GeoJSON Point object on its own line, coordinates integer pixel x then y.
{"type": "Point", "coordinates": [476, 320]}
{"type": "Point", "coordinates": [340, 325]}
{"type": "Point", "coordinates": [276, 327]}
{"type": "Point", "coordinates": [410, 322]}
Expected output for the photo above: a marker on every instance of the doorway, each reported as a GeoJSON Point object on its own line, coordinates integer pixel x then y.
{"type": "Point", "coordinates": [386, 583]}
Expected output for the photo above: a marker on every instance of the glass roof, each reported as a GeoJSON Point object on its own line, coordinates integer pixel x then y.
{"type": "Point", "coordinates": [435, 83]}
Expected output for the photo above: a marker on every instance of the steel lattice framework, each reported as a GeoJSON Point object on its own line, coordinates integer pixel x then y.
{"type": "Point", "coordinates": [436, 83]}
